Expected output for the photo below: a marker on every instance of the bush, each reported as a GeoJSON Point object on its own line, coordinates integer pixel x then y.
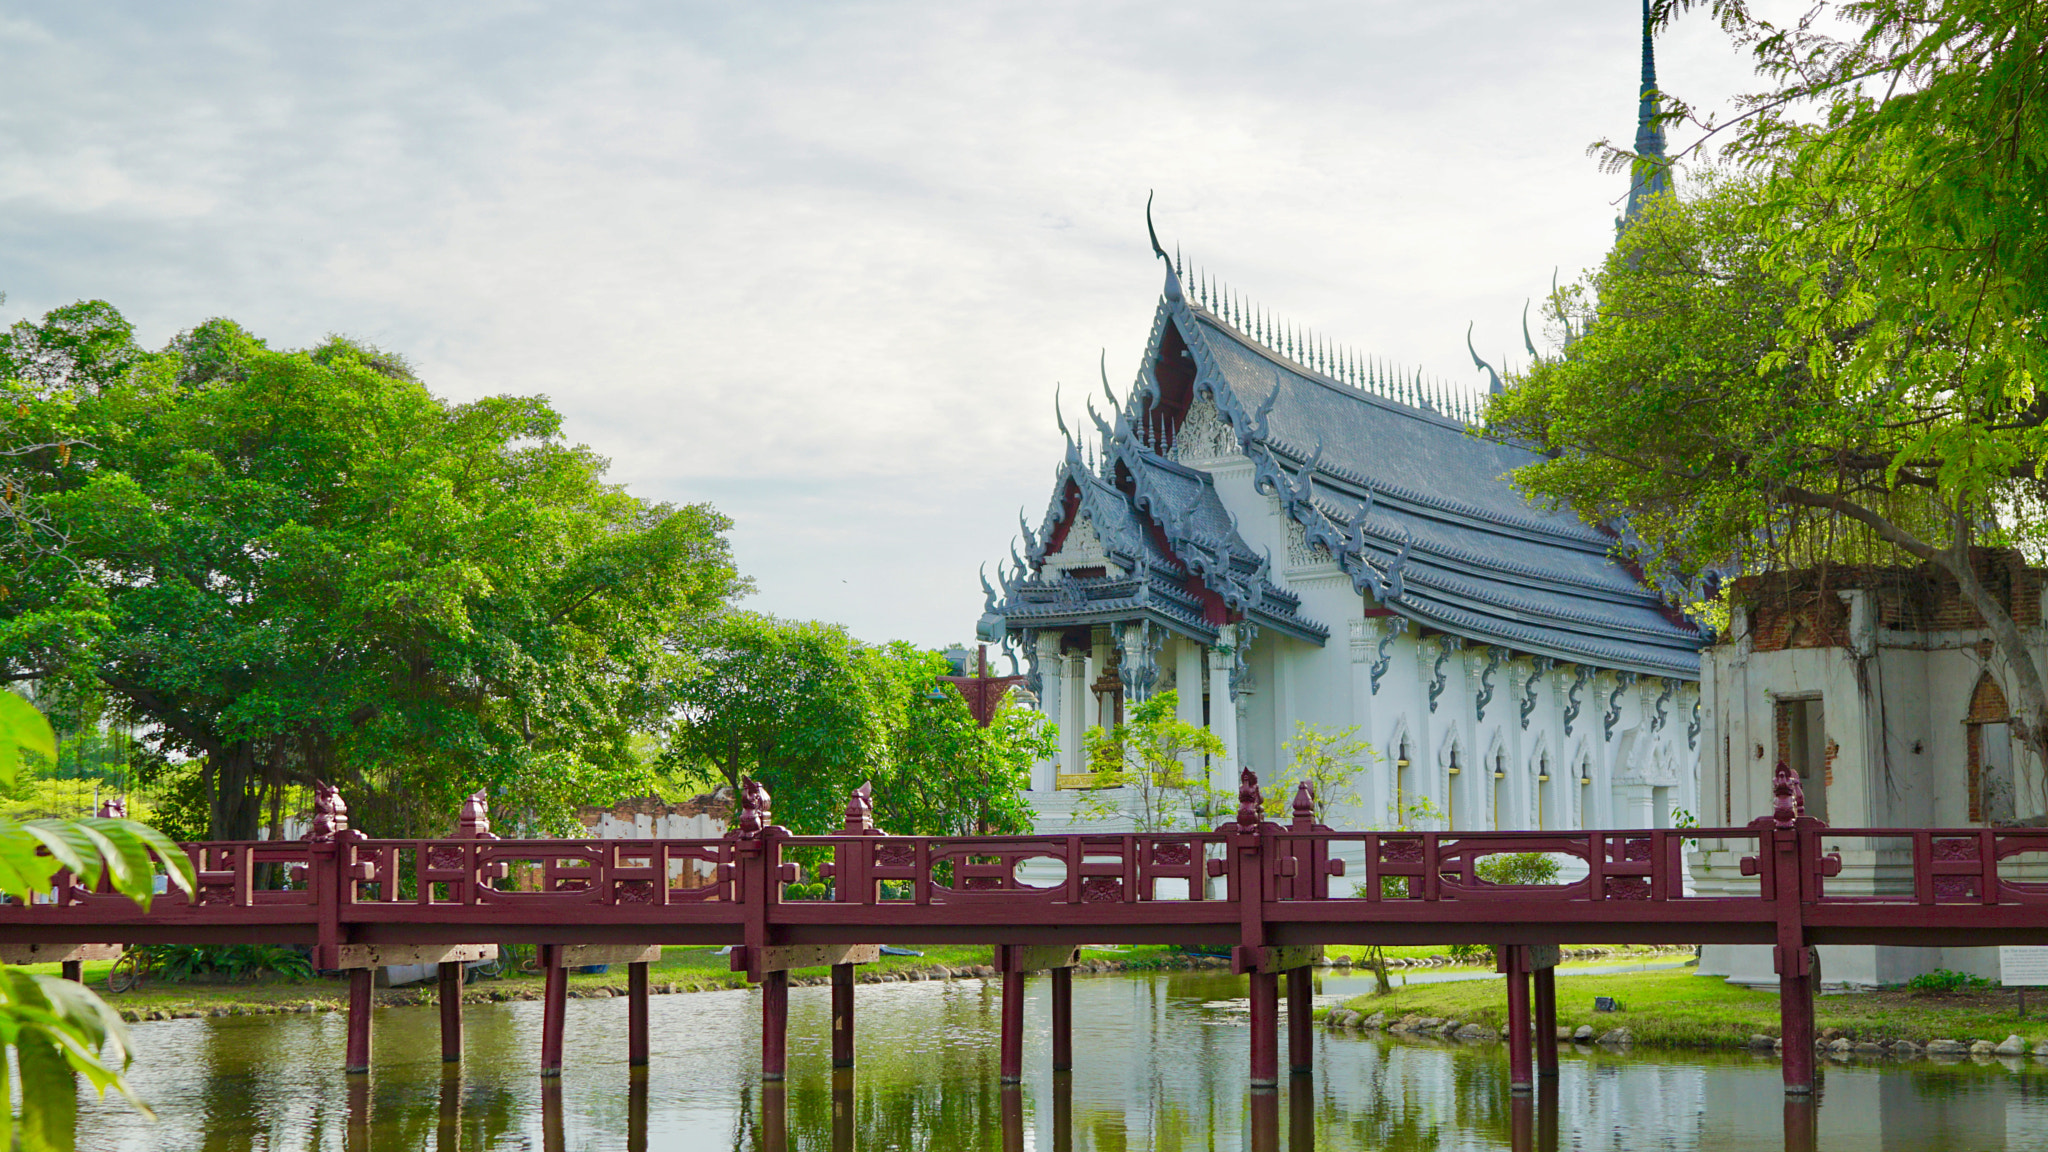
{"type": "Point", "coordinates": [236, 961]}
{"type": "Point", "coordinates": [1943, 980]}
{"type": "Point", "coordinates": [1519, 868]}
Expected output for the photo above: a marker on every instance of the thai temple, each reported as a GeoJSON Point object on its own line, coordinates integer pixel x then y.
{"type": "Point", "coordinates": [1283, 532]}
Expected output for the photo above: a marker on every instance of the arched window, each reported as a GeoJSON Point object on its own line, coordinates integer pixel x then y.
{"type": "Point", "coordinates": [1451, 790]}
{"type": "Point", "coordinates": [1543, 816]}
{"type": "Point", "coordinates": [1500, 791]}
{"type": "Point", "coordinates": [1400, 812]}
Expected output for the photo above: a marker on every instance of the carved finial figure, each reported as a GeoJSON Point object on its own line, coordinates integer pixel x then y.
{"type": "Point", "coordinates": [1788, 803]}
{"type": "Point", "coordinates": [1250, 802]}
{"type": "Point", "coordinates": [753, 808]}
{"type": "Point", "coordinates": [330, 814]}
{"type": "Point", "coordinates": [1305, 803]}
{"type": "Point", "coordinates": [475, 821]}
{"type": "Point", "coordinates": [114, 808]}
{"type": "Point", "coordinates": [860, 808]}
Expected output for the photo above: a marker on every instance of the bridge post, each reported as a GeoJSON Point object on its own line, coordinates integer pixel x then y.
{"type": "Point", "coordinates": [1545, 979]}
{"type": "Point", "coordinates": [74, 971]}
{"type": "Point", "coordinates": [359, 996]}
{"type": "Point", "coordinates": [1515, 963]}
{"type": "Point", "coordinates": [774, 1024]}
{"type": "Point", "coordinates": [1063, 1019]}
{"type": "Point", "coordinates": [554, 1009]}
{"type": "Point", "coordinates": [1301, 1023]}
{"type": "Point", "coordinates": [636, 1014]}
{"type": "Point", "coordinates": [451, 1011]}
{"type": "Point", "coordinates": [1013, 1024]}
{"type": "Point", "coordinates": [1265, 998]}
{"type": "Point", "coordinates": [842, 1015]}
{"type": "Point", "coordinates": [1789, 867]}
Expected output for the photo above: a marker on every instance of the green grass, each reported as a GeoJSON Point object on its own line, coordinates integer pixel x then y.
{"type": "Point", "coordinates": [682, 969]}
{"type": "Point", "coordinates": [1680, 1009]}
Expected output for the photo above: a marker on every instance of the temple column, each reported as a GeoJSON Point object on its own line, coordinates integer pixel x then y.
{"type": "Point", "coordinates": [1074, 715]}
{"type": "Point", "coordinates": [1188, 683]}
{"type": "Point", "coordinates": [1223, 713]}
{"type": "Point", "coordinates": [1052, 694]}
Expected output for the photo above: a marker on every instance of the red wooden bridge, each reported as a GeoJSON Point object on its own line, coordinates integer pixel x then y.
{"type": "Point", "coordinates": [1271, 892]}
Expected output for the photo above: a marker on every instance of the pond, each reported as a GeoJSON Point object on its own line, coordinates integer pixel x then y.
{"type": "Point", "coordinates": [1154, 1070]}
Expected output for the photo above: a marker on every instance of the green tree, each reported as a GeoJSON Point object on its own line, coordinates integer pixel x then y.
{"type": "Point", "coordinates": [948, 775]}
{"type": "Point", "coordinates": [292, 565]}
{"type": "Point", "coordinates": [53, 1027]}
{"type": "Point", "coordinates": [1331, 762]}
{"type": "Point", "coordinates": [813, 713]}
{"type": "Point", "coordinates": [796, 704]}
{"type": "Point", "coordinates": [1142, 769]}
{"type": "Point", "coordinates": [1840, 347]}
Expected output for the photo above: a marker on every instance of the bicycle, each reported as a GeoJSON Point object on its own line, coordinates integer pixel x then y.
{"type": "Point", "coordinates": [130, 971]}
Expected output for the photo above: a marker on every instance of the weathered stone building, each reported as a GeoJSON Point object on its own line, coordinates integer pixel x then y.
{"type": "Point", "coordinates": [1881, 687]}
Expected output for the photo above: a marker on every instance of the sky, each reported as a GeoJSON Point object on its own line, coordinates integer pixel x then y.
{"type": "Point", "coordinates": [821, 265]}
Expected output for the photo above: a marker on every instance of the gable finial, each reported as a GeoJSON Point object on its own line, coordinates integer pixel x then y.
{"type": "Point", "coordinates": [1059, 416]}
{"type": "Point", "coordinates": [1526, 341]}
{"type": "Point", "coordinates": [1173, 291]}
{"type": "Point", "coordinates": [1494, 388]}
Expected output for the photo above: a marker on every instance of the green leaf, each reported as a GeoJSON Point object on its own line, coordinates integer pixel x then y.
{"type": "Point", "coordinates": [22, 729]}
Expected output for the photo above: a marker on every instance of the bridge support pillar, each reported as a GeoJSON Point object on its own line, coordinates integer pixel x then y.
{"type": "Point", "coordinates": [1063, 1019]}
{"type": "Point", "coordinates": [1545, 980]}
{"type": "Point", "coordinates": [842, 1015]}
{"type": "Point", "coordinates": [636, 1014]}
{"type": "Point", "coordinates": [451, 1012]}
{"type": "Point", "coordinates": [1514, 961]}
{"type": "Point", "coordinates": [359, 998]}
{"type": "Point", "coordinates": [1013, 1026]}
{"type": "Point", "coordinates": [1301, 1024]}
{"type": "Point", "coordinates": [554, 1011]}
{"type": "Point", "coordinates": [774, 1024]}
{"type": "Point", "coordinates": [74, 971]}
{"type": "Point", "coordinates": [1795, 1018]}
{"type": "Point", "coordinates": [1265, 998]}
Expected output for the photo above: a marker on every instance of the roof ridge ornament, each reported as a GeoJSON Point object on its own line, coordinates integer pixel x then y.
{"type": "Point", "coordinates": [1173, 291]}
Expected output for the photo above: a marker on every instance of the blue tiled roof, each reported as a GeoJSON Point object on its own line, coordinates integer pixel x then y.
{"type": "Point", "coordinates": [1414, 506]}
{"type": "Point", "coordinates": [1447, 540]}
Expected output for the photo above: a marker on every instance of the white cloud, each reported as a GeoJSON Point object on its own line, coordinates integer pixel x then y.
{"type": "Point", "coordinates": [818, 263]}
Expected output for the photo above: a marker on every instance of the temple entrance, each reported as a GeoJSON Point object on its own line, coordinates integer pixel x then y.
{"type": "Point", "coordinates": [1802, 745]}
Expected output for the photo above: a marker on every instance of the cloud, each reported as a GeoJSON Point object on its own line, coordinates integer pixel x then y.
{"type": "Point", "coordinates": [821, 264]}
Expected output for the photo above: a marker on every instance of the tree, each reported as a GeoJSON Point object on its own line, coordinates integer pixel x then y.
{"type": "Point", "coordinates": [53, 1027]}
{"type": "Point", "coordinates": [1331, 763]}
{"type": "Point", "coordinates": [813, 713]}
{"type": "Point", "coordinates": [947, 774]}
{"type": "Point", "coordinates": [1141, 769]}
{"type": "Point", "coordinates": [794, 704]}
{"type": "Point", "coordinates": [1839, 347]}
{"type": "Point", "coordinates": [300, 565]}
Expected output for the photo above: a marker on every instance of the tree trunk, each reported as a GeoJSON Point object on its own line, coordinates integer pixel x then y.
{"type": "Point", "coordinates": [234, 811]}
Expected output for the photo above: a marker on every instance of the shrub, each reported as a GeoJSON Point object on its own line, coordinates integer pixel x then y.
{"type": "Point", "coordinates": [1943, 980]}
{"type": "Point", "coordinates": [1519, 868]}
{"type": "Point", "coordinates": [236, 961]}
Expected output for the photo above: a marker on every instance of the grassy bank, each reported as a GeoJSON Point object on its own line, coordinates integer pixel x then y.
{"type": "Point", "coordinates": [680, 970]}
{"type": "Point", "coordinates": [1681, 1009]}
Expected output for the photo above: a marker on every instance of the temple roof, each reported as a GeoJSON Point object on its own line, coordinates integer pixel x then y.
{"type": "Point", "coordinates": [1419, 509]}
{"type": "Point", "coordinates": [1134, 536]}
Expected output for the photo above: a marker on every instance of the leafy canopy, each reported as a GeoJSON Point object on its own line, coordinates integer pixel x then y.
{"type": "Point", "coordinates": [300, 565]}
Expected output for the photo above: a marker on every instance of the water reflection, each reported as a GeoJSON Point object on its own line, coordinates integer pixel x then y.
{"type": "Point", "coordinates": [1155, 1070]}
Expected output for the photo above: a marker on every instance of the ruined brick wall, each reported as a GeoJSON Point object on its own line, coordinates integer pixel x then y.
{"type": "Point", "coordinates": [1803, 609]}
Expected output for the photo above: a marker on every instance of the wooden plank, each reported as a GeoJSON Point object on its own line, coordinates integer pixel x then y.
{"type": "Point", "coordinates": [380, 955]}
{"type": "Point", "coordinates": [785, 957]}
{"type": "Point", "coordinates": [586, 955]}
{"type": "Point", "coordinates": [57, 953]}
{"type": "Point", "coordinates": [1035, 957]}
